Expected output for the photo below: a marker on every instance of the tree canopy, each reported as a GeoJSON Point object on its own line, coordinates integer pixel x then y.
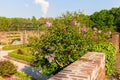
{"type": "Point", "coordinates": [108, 18]}
{"type": "Point", "coordinates": [104, 18]}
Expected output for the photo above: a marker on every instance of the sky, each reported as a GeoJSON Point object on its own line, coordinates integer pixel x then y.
{"type": "Point", "coordinates": [52, 8]}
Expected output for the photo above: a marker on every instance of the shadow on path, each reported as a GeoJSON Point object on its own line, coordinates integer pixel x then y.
{"type": "Point", "coordinates": [34, 73]}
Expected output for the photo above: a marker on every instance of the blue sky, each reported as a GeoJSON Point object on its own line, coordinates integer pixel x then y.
{"type": "Point", "coordinates": [53, 8]}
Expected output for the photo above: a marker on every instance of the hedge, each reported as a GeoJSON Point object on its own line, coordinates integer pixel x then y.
{"type": "Point", "coordinates": [21, 57]}
{"type": "Point", "coordinates": [11, 47]}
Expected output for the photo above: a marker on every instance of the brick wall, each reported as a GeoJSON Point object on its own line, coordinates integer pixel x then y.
{"type": "Point", "coordinates": [115, 40]}
{"type": "Point", "coordinates": [89, 67]}
{"type": "Point", "coordinates": [23, 35]}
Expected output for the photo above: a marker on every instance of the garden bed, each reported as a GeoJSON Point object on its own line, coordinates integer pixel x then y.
{"type": "Point", "coordinates": [22, 54]}
{"type": "Point", "coordinates": [21, 57]}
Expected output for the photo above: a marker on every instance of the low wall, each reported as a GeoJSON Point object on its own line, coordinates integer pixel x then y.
{"type": "Point", "coordinates": [7, 37]}
{"type": "Point", "coordinates": [89, 67]}
{"type": "Point", "coordinates": [115, 40]}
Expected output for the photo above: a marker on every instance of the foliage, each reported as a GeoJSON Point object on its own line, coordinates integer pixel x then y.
{"type": "Point", "coordinates": [110, 51]}
{"type": "Point", "coordinates": [19, 51]}
{"type": "Point", "coordinates": [68, 17]}
{"type": "Point", "coordinates": [118, 77]}
{"type": "Point", "coordinates": [62, 45]}
{"type": "Point", "coordinates": [3, 23]}
{"type": "Point", "coordinates": [109, 18]}
{"type": "Point", "coordinates": [7, 68]}
{"type": "Point", "coordinates": [17, 24]}
{"type": "Point", "coordinates": [24, 56]}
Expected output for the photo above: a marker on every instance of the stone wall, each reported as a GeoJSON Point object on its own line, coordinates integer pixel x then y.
{"type": "Point", "coordinates": [89, 67]}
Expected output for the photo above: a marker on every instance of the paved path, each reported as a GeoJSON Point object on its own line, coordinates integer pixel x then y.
{"type": "Point", "coordinates": [23, 67]}
{"type": "Point", "coordinates": [4, 53]}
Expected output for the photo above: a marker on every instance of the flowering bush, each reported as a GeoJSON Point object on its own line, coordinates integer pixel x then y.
{"type": "Point", "coordinates": [74, 22]}
{"type": "Point", "coordinates": [62, 45]}
{"type": "Point", "coordinates": [48, 24]}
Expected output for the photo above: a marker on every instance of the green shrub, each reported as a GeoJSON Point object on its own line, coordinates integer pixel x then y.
{"type": "Point", "coordinates": [66, 41]}
{"type": "Point", "coordinates": [27, 58]}
{"type": "Point", "coordinates": [7, 68]}
{"type": "Point", "coordinates": [19, 51]}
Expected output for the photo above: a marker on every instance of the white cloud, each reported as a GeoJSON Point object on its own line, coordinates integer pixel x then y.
{"type": "Point", "coordinates": [44, 5]}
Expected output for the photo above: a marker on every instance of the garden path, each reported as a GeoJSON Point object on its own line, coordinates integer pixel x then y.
{"type": "Point", "coordinates": [23, 67]}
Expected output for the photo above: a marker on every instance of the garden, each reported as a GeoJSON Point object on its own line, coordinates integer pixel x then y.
{"type": "Point", "coordinates": [21, 52]}
{"type": "Point", "coordinates": [65, 40]}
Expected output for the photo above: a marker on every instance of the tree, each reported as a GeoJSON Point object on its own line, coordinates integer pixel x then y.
{"type": "Point", "coordinates": [4, 23]}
